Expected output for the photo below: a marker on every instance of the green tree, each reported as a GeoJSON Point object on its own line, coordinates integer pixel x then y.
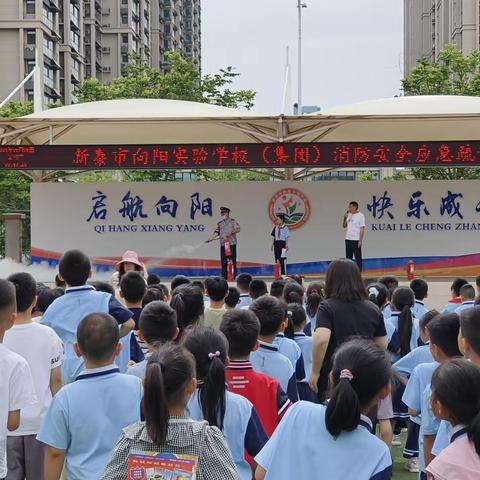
{"type": "Point", "coordinates": [452, 74]}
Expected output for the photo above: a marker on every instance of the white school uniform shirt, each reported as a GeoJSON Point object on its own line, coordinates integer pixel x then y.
{"type": "Point", "coordinates": [281, 233]}
{"type": "Point", "coordinates": [42, 348]}
{"type": "Point", "coordinates": [465, 306]}
{"type": "Point", "coordinates": [418, 355]}
{"type": "Point", "coordinates": [16, 393]}
{"type": "Point", "coordinates": [355, 222]}
{"type": "Point", "coordinates": [245, 301]}
{"type": "Point", "coordinates": [86, 418]}
{"type": "Point", "coordinates": [450, 307]}
{"type": "Point", "coordinates": [290, 453]}
{"type": "Point", "coordinates": [289, 348]}
{"type": "Point", "coordinates": [267, 359]}
{"type": "Point", "coordinates": [387, 311]}
{"type": "Point", "coordinates": [139, 368]}
{"type": "Point", "coordinates": [241, 426]}
{"type": "Point", "coordinates": [305, 343]}
{"type": "Point", "coordinates": [419, 309]}
{"type": "Point", "coordinates": [442, 440]}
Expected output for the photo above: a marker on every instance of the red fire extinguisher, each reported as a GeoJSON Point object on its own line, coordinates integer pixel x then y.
{"type": "Point", "coordinates": [230, 271]}
{"type": "Point", "coordinates": [228, 250]}
{"type": "Point", "coordinates": [277, 270]}
{"type": "Point", "coordinates": [410, 270]}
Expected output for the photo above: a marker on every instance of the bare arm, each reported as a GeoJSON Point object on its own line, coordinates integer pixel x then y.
{"type": "Point", "coordinates": [127, 327]}
{"type": "Point", "coordinates": [260, 473]}
{"type": "Point", "coordinates": [345, 221]}
{"type": "Point", "coordinates": [55, 380]}
{"type": "Point", "coordinates": [428, 441]}
{"type": "Point", "coordinates": [54, 460]}
{"type": "Point", "coordinates": [362, 234]}
{"type": "Point", "coordinates": [13, 421]}
{"type": "Point", "coordinates": [413, 413]}
{"type": "Point", "coordinates": [321, 337]}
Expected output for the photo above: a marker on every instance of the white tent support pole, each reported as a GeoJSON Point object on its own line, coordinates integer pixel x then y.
{"type": "Point", "coordinates": [265, 136]}
{"type": "Point", "coordinates": [18, 133]}
{"type": "Point", "coordinates": [18, 87]}
{"type": "Point", "coordinates": [58, 135]}
{"type": "Point", "coordinates": [311, 131]}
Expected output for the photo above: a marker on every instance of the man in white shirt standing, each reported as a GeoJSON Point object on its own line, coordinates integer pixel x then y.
{"type": "Point", "coordinates": [354, 222]}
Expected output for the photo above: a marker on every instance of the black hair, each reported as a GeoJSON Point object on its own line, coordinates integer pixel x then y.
{"type": "Point", "coordinates": [470, 326]}
{"type": "Point", "coordinates": [403, 300]}
{"type": "Point", "coordinates": [187, 301]}
{"type": "Point", "coordinates": [178, 280]}
{"type": "Point", "coordinates": [443, 332]}
{"type": "Point", "coordinates": [354, 204]}
{"type": "Point", "coordinates": [74, 268]}
{"type": "Point", "coordinates": [158, 323]}
{"type": "Point", "coordinates": [122, 272]}
{"type": "Point", "coordinates": [217, 288]}
{"type": "Point", "coordinates": [7, 297]}
{"type": "Point", "coordinates": [420, 288]}
{"type": "Point", "coordinates": [153, 279]}
{"type": "Point", "coordinates": [296, 278]}
{"type": "Point", "coordinates": [25, 290]}
{"type": "Point", "coordinates": [97, 336]}
{"type": "Point", "coordinates": [46, 297]}
{"type": "Point", "coordinates": [315, 294]}
{"type": "Point", "coordinates": [153, 294]}
{"type": "Point", "coordinates": [276, 288]}
{"type": "Point", "coordinates": [257, 288]}
{"type": "Point", "coordinates": [166, 376]}
{"type": "Point", "coordinates": [164, 289]}
{"type": "Point", "coordinates": [199, 283]}
{"type": "Point", "coordinates": [467, 292]}
{"type": "Point", "coordinates": [233, 297]}
{"type": "Point", "coordinates": [59, 282]}
{"type": "Point", "coordinates": [271, 312]}
{"type": "Point", "coordinates": [377, 293]}
{"type": "Point", "coordinates": [477, 281]}
{"type": "Point", "coordinates": [457, 284]}
{"type": "Point", "coordinates": [242, 328]}
{"type": "Point", "coordinates": [296, 317]}
{"type": "Point", "coordinates": [132, 286]}
{"type": "Point", "coordinates": [389, 281]}
{"type": "Point", "coordinates": [209, 347]}
{"type": "Point", "coordinates": [427, 318]}
{"type": "Point", "coordinates": [344, 281]}
{"type": "Point", "coordinates": [243, 281]}
{"type": "Point", "coordinates": [293, 292]}
{"type": "Point", "coordinates": [456, 385]}
{"type": "Point", "coordinates": [360, 370]}
{"type": "Point", "coordinates": [101, 286]}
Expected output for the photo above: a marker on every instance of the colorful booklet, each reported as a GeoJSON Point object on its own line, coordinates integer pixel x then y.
{"type": "Point", "coordinates": [161, 466]}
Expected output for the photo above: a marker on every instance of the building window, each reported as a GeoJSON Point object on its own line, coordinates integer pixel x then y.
{"type": "Point", "coordinates": [29, 66]}
{"type": "Point", "coordinates": [124, 19]}
{"type": "Point", "coordinates": [30, 6]}
{"type": "Point", "coordinates": [124, 37]}
{"type": "Point", "coordinates": [31, 37]}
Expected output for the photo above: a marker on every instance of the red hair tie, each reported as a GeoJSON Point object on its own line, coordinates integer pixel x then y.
{"type": "Point", "coordinates": [346, 374]}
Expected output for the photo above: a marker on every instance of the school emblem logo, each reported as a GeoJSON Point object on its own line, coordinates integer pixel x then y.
{"type": "Point", "coordinates": [293, 204]}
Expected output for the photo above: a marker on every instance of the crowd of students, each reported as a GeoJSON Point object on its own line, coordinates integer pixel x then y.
{"type": "Point", "coordinates": [261, 383]}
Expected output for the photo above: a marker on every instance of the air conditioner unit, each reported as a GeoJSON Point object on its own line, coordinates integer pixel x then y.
{"type": "Point", "coordinates": [106, 11]}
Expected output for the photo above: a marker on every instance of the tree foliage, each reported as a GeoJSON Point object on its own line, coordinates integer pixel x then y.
{"type": "Point", "coordinates": [452, 74]}
{"type": "Point", "coordinates": [181, 82]}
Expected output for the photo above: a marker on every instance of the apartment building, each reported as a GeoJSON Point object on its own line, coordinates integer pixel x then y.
{"type": "Point", "coordinates": [80, 39]}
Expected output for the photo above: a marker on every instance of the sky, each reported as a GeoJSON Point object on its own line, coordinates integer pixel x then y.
{"type": "Point", "coordinates": [352, 49]}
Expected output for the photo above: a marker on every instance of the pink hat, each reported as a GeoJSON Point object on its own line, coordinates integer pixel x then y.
{"type": "Point", "coordinates": [131, 257]}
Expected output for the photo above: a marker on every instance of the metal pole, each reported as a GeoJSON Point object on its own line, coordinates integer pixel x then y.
{"type": "Point", "coordinates": [18, 87]}
{"type": "Point", "coordinates": [300, 5]}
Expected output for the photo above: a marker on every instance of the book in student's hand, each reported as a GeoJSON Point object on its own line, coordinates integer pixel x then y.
{"type": "Point", "coordinates": [161, 466]}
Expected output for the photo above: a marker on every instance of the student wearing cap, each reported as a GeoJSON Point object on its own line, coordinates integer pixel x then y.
{"type": "Point", "coordinates": [129, 262]}
{"type": "Point", "coordinates": [280, 236]}
{"type": "Point", "coordinates": [226, 231]}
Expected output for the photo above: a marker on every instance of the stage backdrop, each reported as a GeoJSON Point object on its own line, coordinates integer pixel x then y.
{"type": "Point", "coordinates": [436, 224]}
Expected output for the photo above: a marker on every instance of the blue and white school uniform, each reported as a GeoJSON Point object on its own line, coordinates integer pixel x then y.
{"type": "Point", "coordinates": [429, 423]}
{"type": "Point", "coordinates": [305, 343]}
{"type": "Point", "coordinates": [387, 311]}
{"type": "Point", "coordinates": [66, 312]}
{"type": "Point", "coordinates": [418, 355]}
{"type": "Point", "coordinates": [267, 359]}
{"type": "Point", "coordinates": [464, 306]}
{"type": "Point", "coordinates": [245, 300]}
{"type": "Point", "coordinates": [392, 332]}
{"type": "Point", "coordinates": [242, 428]}
{"type": "Point", "coordinates": [412, 398]}
{"type": "Point", "coordinates": [442, 440]}
{"type": "Point", "coordinates": [86, 418]}
{"type": "Point", "coordinates": [351, 456]}
{"type": "Point", "coordinates": [289, 348]}
{"type": "Point", "coordinates": [311, 324]}
{"type": "Point", "coordinates": [451, 307]}
{"type": "Point", "coordinates": [139, 368]}
{"type": "Point", "coordinates": [419, 309]}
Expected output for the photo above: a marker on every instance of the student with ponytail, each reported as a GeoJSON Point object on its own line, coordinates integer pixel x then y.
{"type": "Point", "coordinates": [346, 448]}
{"type": "Point", "coordinates": [456, 398]}
{"type": "Point", "coordinates": [187, 301]}
{"type": "Point", "coordinates": [231, 413]}
{"type": "Point", "coordinates": [293, 292]}
{"type": "Point", "coordinates": [315, 294]}
{"type": "Point", "coordinates": [169, 383]}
